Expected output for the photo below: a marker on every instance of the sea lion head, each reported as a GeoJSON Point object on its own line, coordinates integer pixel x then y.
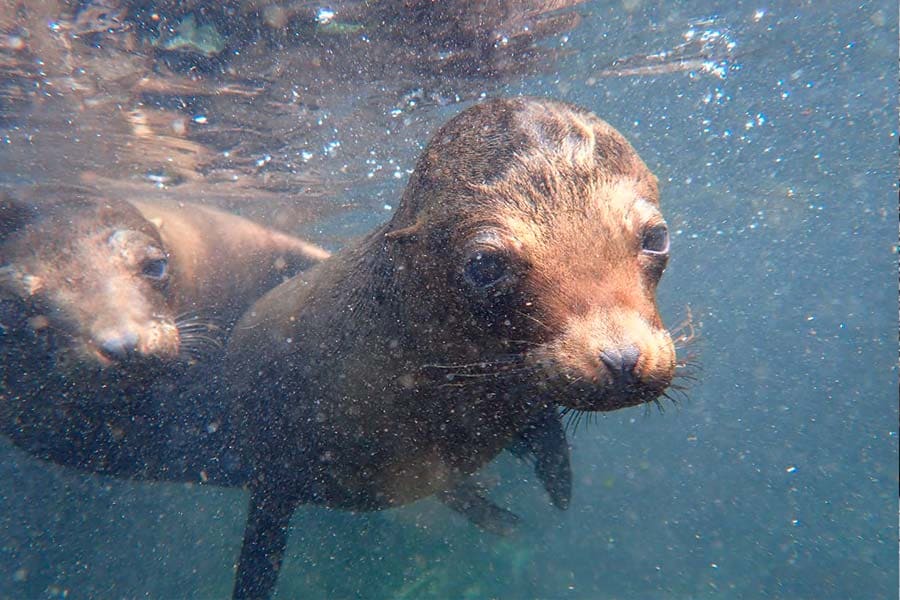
{"type": "Point", "coordinates": [551, 245]}
{"type": "Point", "coordinates": [84, 279]}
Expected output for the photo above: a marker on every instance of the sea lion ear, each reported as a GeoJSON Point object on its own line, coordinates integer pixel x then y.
{"type": "Point", "coordinates": [14, 214]}
{"type": "Point", "coordinates": [409, 233]}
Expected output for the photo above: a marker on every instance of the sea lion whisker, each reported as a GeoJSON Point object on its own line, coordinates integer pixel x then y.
{"type": "Point", "coordinates": [185, 329]}
{"type": "Point", "coordinates": [192, 313]}
{"type": "Point", "coordinates": [497, 360]}
{"type": "Point", "coordinates": [573, 420]}
{"type": "Point", "coordinates": [523, 342]}
{"type": "Point", "coordinates": [689, 361]}
{"type": "Point", "coordinates": [199, 321]}
{"type": "Point", "coordinates": [492, 373]}
{"type": "Point", "coordinates": [486, 368]}
{"type": "Point", "coordinates": [201, 345]}
{"type": "Point", "coordinates": [190, 339]}
{"type": "Point", "coordinates": [203, 318]}
{"type": "Point", "coordinates": [190, 318]}
{"type": "Point", "coordinates": [533, 318]}
{"type": "Point", "coordinates": [588, 418]}
{"type": "Point", "coordinates": [466, 379]}
{"type": "Point", "coordinates": [457, 366]}
{"type": "Point", "coordinates": [684, 342]}
{"type": "Point", "coordinates": [687, 371]}
{"type": "Point", "coordinates": [686, 377]}
{"type": "Point", "coordinates": [679, 345]}
{"type": "Point", "coordinates": [685, 334]}
{"type": "Point", "coordinates": [568, 410]}
{"type": "Point", "coordinates": [672, 392]}
{"type": "Point", "coordinates": [686, 324]}
{"type": "Point", "coordinates": [676, 387]}
{"type": "Point", "coordinates": [195, 327]}
{"type": "Point", "coordinates": [201, 332]}
{"type": "Point", "coordinates": [462, 380]}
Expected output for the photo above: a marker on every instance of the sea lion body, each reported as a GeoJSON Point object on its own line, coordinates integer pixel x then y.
{"type": "Point", "coordinates": [220, 262]}
{"type": "Point", "coordinates": [109, 310]}
{"type": "Point", "coordinates": [517, 275]}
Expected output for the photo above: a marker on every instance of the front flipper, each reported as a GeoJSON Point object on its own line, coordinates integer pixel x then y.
{"type": "Point", "coordinates": [544, 441]}
{"type": "Point", "coordinates": [265, 538]}
{"type": "Point", "coordinates": [468, 499]}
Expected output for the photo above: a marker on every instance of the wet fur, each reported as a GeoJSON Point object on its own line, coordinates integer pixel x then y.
{"type": "Point", "coordinates": [382, 376]}
{"type": "Point", "coordinates": [70, 273]}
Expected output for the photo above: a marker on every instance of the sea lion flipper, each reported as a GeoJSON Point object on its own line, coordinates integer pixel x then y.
{"type": "Point", "coordinates": [544, 440]}
{"type": "Point", "coordinates": [468, 499]}
{"type": "Point", "coordinates": [265, 538]}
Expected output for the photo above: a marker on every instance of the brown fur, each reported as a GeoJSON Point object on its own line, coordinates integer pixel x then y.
{"type": "Point", "coordinates": [382, 377]}
{"type": "Point", "coordinates": [392, 371]}
{"type": "Point", "coordinates": [219, 261]}
{"type": "Point", "coordinates": [88, 329]}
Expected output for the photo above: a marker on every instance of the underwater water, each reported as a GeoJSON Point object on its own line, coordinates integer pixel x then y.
{"type": "Point", "coordinates": [776, 476]}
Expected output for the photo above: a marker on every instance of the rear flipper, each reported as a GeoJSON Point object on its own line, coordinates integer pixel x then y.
{"type": "Point", "coordinates": [468, 499]}
{"type": "Point", "coordinates": [265, 538]}
{"type": "Point", "coordinates": [543, 440]}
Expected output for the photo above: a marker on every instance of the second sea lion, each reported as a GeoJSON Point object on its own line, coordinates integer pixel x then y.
{"type": "Point", "coordinates": [104, 305]}
{"type": "Point", "coordinates": [518, 275]}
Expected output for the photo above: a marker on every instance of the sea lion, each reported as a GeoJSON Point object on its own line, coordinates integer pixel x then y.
{"type": "Point", "coordinates": [104, 304]}
{"type": "Point", "coordinates": [518, 275]}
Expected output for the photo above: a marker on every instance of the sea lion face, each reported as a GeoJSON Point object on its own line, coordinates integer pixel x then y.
{"type": "Point", "coordinates": [84, 279]}
{"type": "Point", "coordinates": [557, 245]}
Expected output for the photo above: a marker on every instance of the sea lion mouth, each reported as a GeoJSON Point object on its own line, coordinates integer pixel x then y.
{"type": "Point", "coordinates": [30, 337]}
{"type": "Point", "coordinates": [608, 381]}
{"type": "Point", "coordinates": [188, 339]}
{"type": "Point", "coordinates": [27, 332]}
{"type": "Point", "coordinates": [592, 398]}
{"type": "Point", "coordinates": [614, 391]}
{"type": "Point", "coordinates": [520, 375]}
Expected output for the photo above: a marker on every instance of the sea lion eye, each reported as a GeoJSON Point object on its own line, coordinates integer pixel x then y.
{"type": "Point", "coordinates": [155, 268]}
{"type": "Point", "coordinates": [655, 240]}
{"type": "Point", "coordinates": [486, 269]}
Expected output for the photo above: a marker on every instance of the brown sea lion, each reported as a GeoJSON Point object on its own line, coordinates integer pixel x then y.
{"type": "Point", "coordinates": [518, 275]}
{"type": "Point", "coordinates": [103, 306]}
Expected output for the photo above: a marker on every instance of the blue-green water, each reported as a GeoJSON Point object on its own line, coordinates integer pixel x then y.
{"type": "Point", "coordinates": [776, 478]}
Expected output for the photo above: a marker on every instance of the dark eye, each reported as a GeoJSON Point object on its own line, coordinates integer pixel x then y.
{"type": "Point", "coordinates": [485, 269]}
{"type": "Point", "coordinates": [155, 268]}
{"type": "Point", "coordinates": [656, 240]}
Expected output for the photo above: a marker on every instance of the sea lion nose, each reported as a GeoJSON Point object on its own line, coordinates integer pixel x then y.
{"type": "Point", "coordinates": [621, 363]}
{"type": "Point", "coordinates": [118, 346]}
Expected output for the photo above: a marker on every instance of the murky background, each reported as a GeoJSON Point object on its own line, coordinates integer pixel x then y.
{"type": "Point", "coordinates": [773, 130]}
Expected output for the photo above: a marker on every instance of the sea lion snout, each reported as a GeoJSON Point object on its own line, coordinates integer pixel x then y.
{"type": "Point", "coordinates": [132, 322]}
{"type": "Point", "coordinates": [608, 361]}
{"type": "Point", "coordinates": [154, 339]}
{"type": "Point", "coordinates": [620, 363]}
{"type": "Point", "coordinates": [118, 345]}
